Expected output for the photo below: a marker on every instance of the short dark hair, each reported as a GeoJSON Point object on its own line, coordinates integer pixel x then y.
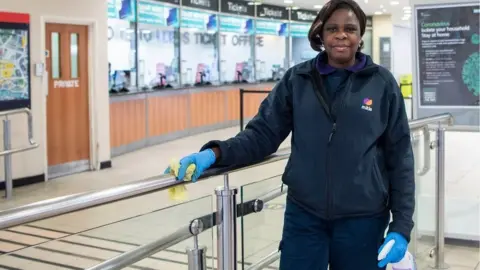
{"type": "Point", "coordinates": [316, 30]}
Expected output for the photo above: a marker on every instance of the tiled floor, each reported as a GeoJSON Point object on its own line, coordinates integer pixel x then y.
{"type": "Point", "coordinates": [85, 238]}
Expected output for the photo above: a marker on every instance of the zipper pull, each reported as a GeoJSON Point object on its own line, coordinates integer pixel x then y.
{"type": "Point", "coordinates": [334, 128]}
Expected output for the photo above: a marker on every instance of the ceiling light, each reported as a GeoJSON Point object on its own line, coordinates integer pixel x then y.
{"type": "Point", "coordinates": [407, 8]}
{"type": "Point", "coordinates": [407, 11]}
{"type": "Point", "coordinates": [317, 6]}
{"type": "Point", "coordinates": [378, 13]}
{"type": "Point", "coordinates": [366, 1]}
{"type": "Point", "coordinates": [288, 1]}
{"type": "Point", "coordinates": [394, 3]}
{"type": "Point", "coordinates": [384, 10]}
{"type": "Point", "coordinates": [381, 6]}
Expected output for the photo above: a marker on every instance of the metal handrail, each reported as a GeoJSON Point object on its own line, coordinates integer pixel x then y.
{"type": "Point", "coordinates": [266, 261]}
{"type": "Point", "coordinates": [444, 118]}
{"type": "Point", "coordinates": [424, 123]}
{"type": "Point", "coordinates": [132, 256]}
{"type": "Point", "coordinates": [71, 203]}
{"type": "Point", "coordinates": [31, 140]}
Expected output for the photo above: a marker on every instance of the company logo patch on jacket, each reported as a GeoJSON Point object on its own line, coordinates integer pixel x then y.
{"type": "Point", "coordinates": [367, 104]}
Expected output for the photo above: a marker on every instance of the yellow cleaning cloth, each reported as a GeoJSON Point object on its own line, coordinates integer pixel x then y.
{"type": "Point", "coordinates": [179, 192]}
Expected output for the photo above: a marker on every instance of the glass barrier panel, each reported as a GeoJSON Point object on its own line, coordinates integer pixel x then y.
{"type": "Point", "coordinates": [236, 49]}
{"type": "Point", "coordinates": [462, 200]}
{"type": "Point", "coordinates": [261, 232]}
{"type": "Point", "coordinates": [34, 246]}
{"type": "Point", "coordinates": [462, 203]}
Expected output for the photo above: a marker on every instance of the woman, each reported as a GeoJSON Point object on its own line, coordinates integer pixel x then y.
{"type": "Point", "coordinates": [351, 162]}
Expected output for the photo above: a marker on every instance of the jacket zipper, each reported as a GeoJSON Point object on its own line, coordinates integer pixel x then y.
{"type": "Point", "coordinates": [330, 195]}
{"type": "Point", "coordinates": [330, 112]}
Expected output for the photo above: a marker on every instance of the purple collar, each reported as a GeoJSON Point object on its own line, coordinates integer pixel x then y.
{"type": "Point", "coordinates": [326, 69]}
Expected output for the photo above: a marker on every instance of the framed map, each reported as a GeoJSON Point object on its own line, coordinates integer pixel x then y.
{"type": "Point", "coordinates": [14, 61]}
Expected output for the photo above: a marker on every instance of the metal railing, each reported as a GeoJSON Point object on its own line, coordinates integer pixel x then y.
{"type": "Point", "coordinates": [227, 208]}
{"type": "Point", "coordinates": [226, 232]}
{"type": "Point", "coordinates": [7, 145]}
{"type": "Point", "coordinates": [81, 201]}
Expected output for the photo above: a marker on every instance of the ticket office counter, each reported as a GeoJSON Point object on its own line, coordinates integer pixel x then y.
{"type": "Point", "coordinates": [143, 119]}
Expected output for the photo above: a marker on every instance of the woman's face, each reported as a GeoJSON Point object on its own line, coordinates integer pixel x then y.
{"type": "Point", "coordinates": [341, 36]}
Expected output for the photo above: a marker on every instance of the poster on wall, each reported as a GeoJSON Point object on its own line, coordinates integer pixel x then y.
{"type": "Point", "coordinates": [448, 55]}
{"type": "Point", "coordinates": [234, 24]}
{"type": "Point", "coordinates": [14, 61]}
{"type": "Point", "coordinates": [201, 21]}
{"type": "Point", "coordinates": [157, 14]}
{"type": "Point", "coordinates": [121, 9]}
{"type": "Point", "coordinates": [271, 27]}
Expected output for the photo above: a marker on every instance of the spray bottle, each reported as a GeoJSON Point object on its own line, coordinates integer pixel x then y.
{"type": "Point", "coordinates": [407, 263]}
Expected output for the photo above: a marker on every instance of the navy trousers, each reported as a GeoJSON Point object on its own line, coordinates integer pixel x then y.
{"type": "Point", "coordinates": [311, 243]}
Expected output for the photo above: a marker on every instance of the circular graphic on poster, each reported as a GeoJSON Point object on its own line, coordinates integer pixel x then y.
{"type": "Point", "coordinates": [470, 74]}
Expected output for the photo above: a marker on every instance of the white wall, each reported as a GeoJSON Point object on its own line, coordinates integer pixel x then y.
{"type": "Point", "coordinates": [402, 50]}
{"type": "Point", "coordinates": [34, 162]}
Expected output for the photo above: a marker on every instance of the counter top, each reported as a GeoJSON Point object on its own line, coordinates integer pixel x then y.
{"type": "Point", "coordinates": [190, 90]}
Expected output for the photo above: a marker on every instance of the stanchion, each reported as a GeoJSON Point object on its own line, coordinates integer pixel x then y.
{"type": "Point", "coordinates": [197, 256]}
{"type": "Point", "coordinates": [242, 93]}
{"type": "Point", "coordinates": [241, 109]}
{"type": "Point", "coordinates": [7, 158]}
{"type": "Point", "coordinates": [226, 226]}
{"type": "Point", "coordinates": [440, 202]}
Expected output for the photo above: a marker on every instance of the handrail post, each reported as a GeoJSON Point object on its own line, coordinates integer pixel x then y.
{"type": "Point", "coordinates": [197, 256]}
{"type": "Point", "coordinates": [440, 200]}
{"type": "Point", "coordinates": [7, 160]}
{"type": "Point", "coordinates": [226, 226]}
{"type": "Point", "coordinates": [241, 109]}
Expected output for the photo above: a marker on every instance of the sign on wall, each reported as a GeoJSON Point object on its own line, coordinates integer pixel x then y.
{"type": "Point", "coordinates": [448, 55]}
{"type": "Point", "coordinates": [121, 9]}
{"type": "Point", "coordinates": [369, 21]}
{"type": "Point", "coordinates": [272, 12]}
{"type": "Point", "coordinates": [202, 21]}
{"type": "Point", "coordinates": [302, 15]}
{"type": "Point", "coordinates": [202, 4]}
{"type": "Point", "coordinates": [385, 52]}
{"type": "Point", "coordinates": [271, 27]}
{"type": "Point", "coordinates": [299, 29]}
{"type": "Point", "coordinates": [235, 24]}
{"type": "Point", "coordinates": [237, 7]}
{"type": "Point", "coordinates": [157, 14]}
{"type": "Point", "coordinates": [14, 61]}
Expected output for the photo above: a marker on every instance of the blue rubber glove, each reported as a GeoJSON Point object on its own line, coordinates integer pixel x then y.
{"type": "Point", "coordinates": [398, 250]}
{"type": "Point", "coordinates": [202, 160]}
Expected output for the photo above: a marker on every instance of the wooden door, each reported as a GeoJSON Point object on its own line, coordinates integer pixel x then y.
{"type": "Point", "coordinates": [68, 122]}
